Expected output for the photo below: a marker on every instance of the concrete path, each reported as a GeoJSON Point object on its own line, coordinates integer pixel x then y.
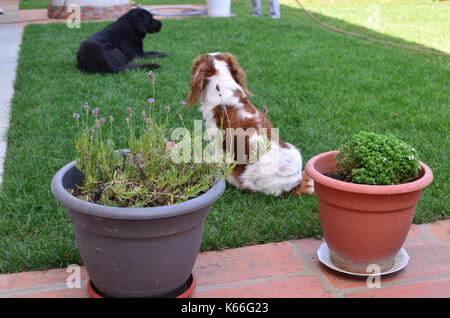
{"type": "Point", "coordinates": [11, 38]}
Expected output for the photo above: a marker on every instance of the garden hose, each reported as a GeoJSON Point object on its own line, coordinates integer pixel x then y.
{"type": "Point", "coordinates": [416, 48]}
{"type": "Point", "coordinates": [154, 11]}
{"type": "Point", "coordinates": [194, 11]}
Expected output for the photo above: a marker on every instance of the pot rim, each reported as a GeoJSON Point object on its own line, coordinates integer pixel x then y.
{"type": "Point", "coordinates": [412, 186]}
{"type": "Point", "coordinates": [72, 202]}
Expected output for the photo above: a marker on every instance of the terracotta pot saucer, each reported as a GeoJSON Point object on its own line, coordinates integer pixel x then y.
{"type": "Point", "coordinates": [184, 291]}
{"type": "Point", "coordinates": [400, 261]}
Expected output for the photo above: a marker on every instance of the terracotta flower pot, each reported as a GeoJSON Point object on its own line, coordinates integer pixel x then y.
{"type": "Point", "coordinates": [136, 252]}
{"type": "Point", "coordinates": [364, 224]}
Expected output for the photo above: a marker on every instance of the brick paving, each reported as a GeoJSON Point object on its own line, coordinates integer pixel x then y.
{"type": "Point", "coordinates": [287, 269]}
{"type": "Point", "coordinates": [40, 16]}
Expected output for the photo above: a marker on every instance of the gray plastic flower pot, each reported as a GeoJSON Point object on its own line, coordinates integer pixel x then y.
{"type": "Point", "coordinates": [135, 252]}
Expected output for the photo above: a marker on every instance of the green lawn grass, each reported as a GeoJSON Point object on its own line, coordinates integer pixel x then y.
{"type": "Point", "coordinates": [320, 87]}
{"type": "Point", "coordinates": [41, 4]}
{"type": "Point", "coordinates": [420, 22]}
{"type": "Point", "coordinates": [33, 4]}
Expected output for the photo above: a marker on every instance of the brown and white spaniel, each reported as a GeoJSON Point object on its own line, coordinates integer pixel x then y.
{"type": "Point", "coordinates": [219, 84]}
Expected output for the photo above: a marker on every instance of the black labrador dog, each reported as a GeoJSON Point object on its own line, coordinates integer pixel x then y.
{"type": "Point", "coordinates": [110, 50]}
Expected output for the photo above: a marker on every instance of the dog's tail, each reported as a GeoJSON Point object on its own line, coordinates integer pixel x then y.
{"type": "Point", "coordinates": [304, 187]}
{"type": "Point", "coordinates": [149, 66]}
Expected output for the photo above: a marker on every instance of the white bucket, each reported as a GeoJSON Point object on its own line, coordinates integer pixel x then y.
{"type": "Point", "coordinates": [219, 8]}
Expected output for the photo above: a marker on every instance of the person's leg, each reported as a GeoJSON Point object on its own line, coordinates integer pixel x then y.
{"type": "Point", "coordinates": [274, 9]}
{"type": "Point", "coordinates": [256, 8]}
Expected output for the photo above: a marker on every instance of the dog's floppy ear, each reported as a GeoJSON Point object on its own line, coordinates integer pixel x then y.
{"type": "Point", "coordinates": [140, 23]}
{"type": "Point", "coordinates": [139, 20]}
{"type": "Point", "coordinates": [203, 67]}
{"type": "Point", "coordinates": [237, 72]}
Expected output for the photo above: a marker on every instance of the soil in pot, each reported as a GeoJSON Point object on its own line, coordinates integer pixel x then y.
{"type": "Point", "coordinates": [336, 176]}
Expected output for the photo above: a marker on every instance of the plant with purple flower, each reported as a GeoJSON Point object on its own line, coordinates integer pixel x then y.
{"type": "Point", "coordinates": [147, 175]}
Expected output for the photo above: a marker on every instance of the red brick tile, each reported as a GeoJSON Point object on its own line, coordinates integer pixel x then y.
{"type": "Point", "coordinates": [414, 232]}
{"type": "Point", "coordinates": [294, 287]}
{"type": "Point", "coordinates": [427, 257]}
{"type": "Point", "coordinates": [340, 280]}
{"type": "Point", "coordinates": [28, 279]}
{"type": "Point", "coordinates": [435, 288]}
{"type": "Point", "coordinates": [246, 263]}
{"type": "Point", "coordinates": [309, 246]}
{"type": "Point", "coordinates": [42, 14]}
{"type": "Point", "coordinates": [10, 5]}
{"type": "Point", "coordinates": [440, 230]}
{"type": "Point", "coordinates": [60, 293]}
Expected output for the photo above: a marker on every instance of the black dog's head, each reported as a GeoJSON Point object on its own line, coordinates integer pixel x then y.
{"type": "Point", "coordinates": [142, 21]}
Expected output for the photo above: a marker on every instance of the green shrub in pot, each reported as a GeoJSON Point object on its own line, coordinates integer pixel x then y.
{"type": "Point", "coordinates": [369, 158]}
{"type": "Point", "coordinates": [367, 195]}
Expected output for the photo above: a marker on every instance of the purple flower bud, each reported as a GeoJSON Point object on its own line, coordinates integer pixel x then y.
{"type": "Point", "coordinates": [86, 107]}
{"type": "Point", "coordinates": [152, 77]}
{"type": "Point", "coordinates": [129, 111]}
{"type": "Point", "coordinates": [76, 116]}
{"type": "Point", "coordinates": [95, 111]}
{"type": "Point", "coordinates": [180, 116]}
{"type": "Point", "coordinates": [148, 120]}
{"type": "Point", "coordinates": [150, 100]}
{"type": "Point", "coordinates": [144, 115]}
{"type": "Point", "coordinates": [102, 120]}
{"type": "Point", "coordinates": [127, 120]}
{"type": "Point", "coordinates": [167, 108]}
{"type": "Point", "coordinates": [111, 119]}
{"type": "Point", "coordinates": [182, 103]}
